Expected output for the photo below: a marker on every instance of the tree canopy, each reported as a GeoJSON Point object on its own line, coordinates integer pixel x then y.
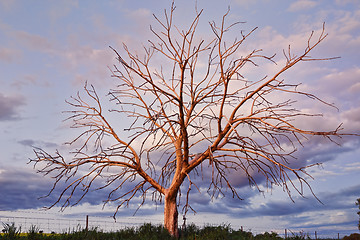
{"type": "Point", "coordinates": [192, 114]}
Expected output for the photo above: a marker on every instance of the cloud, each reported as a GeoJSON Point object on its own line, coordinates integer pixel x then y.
{"type": "Point", "coordinates": [10, 55]}
{"type": "Point", "coordinates": [138, 14]}
{"type": "Point", "coordinates": [344, 2]}
{"type": "Point", "coordinates": [331, 84]}
{"type": "Point", "coordinates": [342, 27]}
{"type": "Point", "coordinates": [344, 85]}
{"type": "Point", "coordinates": [25, 189]}
{"type": "Point", "coordinates": [9, 105]}
{"type": "Point", "coordinates": [32, 143]}
{"type": "Point", "coordinates": [21, 188]}
{"type": "Point", "coordinates": [26, 80]}
{"type": "Point", "coordinates": [248, 3]}
{"type": "Point", "coordinates": [27, 142]}
{"type": "Point", "coordinates": [7, 4]}
{"type": "Point", "coordinates": [87, 57]}
{"type": "Point", "coordinates": [332, 201]}
{"type": "Point", "coordinates": [352, 167]}
{"type": "Point", "coordinates": [301, 5]}
{"type": "Point", "coordinates": [351, 120]}
{"type": "Point", "coordinates": [62, 9]}
{"type": "Point", "coordinates": [321, 150]}
{"type": "Point", "coordinates": [34, 41]}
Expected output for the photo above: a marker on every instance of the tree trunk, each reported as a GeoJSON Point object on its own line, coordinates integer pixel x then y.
{"type": "Point", "coordinates": [171, 215]}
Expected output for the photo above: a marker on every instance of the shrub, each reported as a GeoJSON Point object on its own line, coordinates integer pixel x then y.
{"type": "Point", "coordinates": [215, 232]}
{"type": "Point", "coordinates": [10, 231]}
{"type": "Point", "coordinates": [268, 236]}
{"type": "Point", "coordinates": [353, 236]}
{"type": "Point", "coordinates": [34, 233]}
{"type": "Point", "coordinates": [151, 232]}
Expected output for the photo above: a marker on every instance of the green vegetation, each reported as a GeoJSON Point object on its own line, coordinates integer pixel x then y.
{"type": "Point", "coordinates": [10, 231]}
{"type": "Point", "coordinates": [358, 204]}
{"type": "Point", "coordinates": [145, 232]}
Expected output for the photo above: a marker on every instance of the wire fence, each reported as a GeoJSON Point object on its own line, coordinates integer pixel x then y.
{"type": "Point", "coordinates": [58, 224]}
{"type": "Point", "coordinates": [70, 224]}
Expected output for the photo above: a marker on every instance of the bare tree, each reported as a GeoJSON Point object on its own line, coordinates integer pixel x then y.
{"type": "Point", "coordinates": [193, 116]}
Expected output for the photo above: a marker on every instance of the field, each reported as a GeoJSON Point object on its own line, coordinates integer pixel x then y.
{"type": "Point", "coordinates": [144, 232]}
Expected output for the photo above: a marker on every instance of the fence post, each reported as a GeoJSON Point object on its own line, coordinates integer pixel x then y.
{"type": "Point", "coordinates": [285, 233]}
{"type": "Point", "coordinates": [87, 223]}
{"type": "Point", "coordinates": [315, 235]}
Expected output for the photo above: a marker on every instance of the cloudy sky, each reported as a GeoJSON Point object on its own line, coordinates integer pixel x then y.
{"type": "Point", "coordinates": [48, 49]}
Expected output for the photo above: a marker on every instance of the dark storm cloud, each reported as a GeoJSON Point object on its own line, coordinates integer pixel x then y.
{"type": "Point", "coordinates": [322, 152]}
{"type": "Point", "coordinates": [206, 198]}
{"type": "Point", "coordinates": [27, 142]}
{"type": "Point", "coordinates": [342, 200]}
{"type": "Point", "coordinates": [350, 191]}
{"type": "Point", "coordinates": [21, 189]}
{"type": "Point", "coordinates": [24, 189]}
{"type": "Point", "coordinates": [337, 224]}
{"type": "Point", "coordinates": [32, 143]}
{"type": "Point", "coordinates": [8, 107]}
{"type": "Point", "coordinates": [234, 207]}
{"type": "Point", "coordinates": [283, 208]}
{"type": "Point", "coordinates": [226, 203]}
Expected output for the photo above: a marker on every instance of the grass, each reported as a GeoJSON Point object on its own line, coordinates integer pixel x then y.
{"type": "Point", "coordinates": [145, 232]}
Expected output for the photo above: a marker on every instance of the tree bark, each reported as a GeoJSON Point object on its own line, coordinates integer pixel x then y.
{"type": "Point", "coordinates": [171, 215]}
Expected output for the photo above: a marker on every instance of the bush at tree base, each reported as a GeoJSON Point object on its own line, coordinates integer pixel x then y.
{"type": "Point", "coordinates": [353, 236]}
